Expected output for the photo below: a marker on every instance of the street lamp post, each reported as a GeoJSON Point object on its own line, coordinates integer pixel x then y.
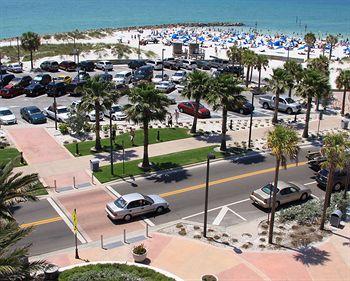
{"type": "Point", "coordinates": [251, 123]}
{"type": "Point", "coordinates": [54, 101]}
{"type": "Point", "coordinates": [139, 51]}
{"type": "Point", "coordinates": [18, 56]}
{"type": "Point", "coordinates": [110, 140]}
{"type": "Point", "coordinates": [209, 157]}
{"type": "Point", "coordinates": [163, 64]}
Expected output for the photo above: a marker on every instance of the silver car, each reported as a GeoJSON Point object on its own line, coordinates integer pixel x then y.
{"type": "Point", "coordinates": [135, 204]}
{"type": "Point", "coordinates": [286, 192]}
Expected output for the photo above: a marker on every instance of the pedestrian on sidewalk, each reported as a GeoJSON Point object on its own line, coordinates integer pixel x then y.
{"type": "Point", "coordinates": [114, 133]}
{"type": "Point", "coordinates": [231, 125]}
{"type": "Point", "coordinates": [170, 120]}
{"type": "Point", "coordinates": [177, 116]}
{"type": "Point", "coordinates": [132, 136]}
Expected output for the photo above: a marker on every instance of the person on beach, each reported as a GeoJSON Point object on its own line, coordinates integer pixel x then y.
{"type": "Point", "coordinates": [132, 136]}
{"type": "Point", "coordinates": [177, 116]}
{"type": "Point", "coordinates": [170, 120]}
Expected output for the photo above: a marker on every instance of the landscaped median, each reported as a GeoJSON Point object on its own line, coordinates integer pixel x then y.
{"type": "Point", "coordinates": [165, 134]}
{"type": "Point", "coordinates": [163, 162]}
{"type": "Point", "coordinates": [8, 154]}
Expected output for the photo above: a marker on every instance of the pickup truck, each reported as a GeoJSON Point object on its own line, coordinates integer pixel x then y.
{"type": "Point", "coordinates": [286, 104]}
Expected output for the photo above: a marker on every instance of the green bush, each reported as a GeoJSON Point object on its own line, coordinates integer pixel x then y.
{"type": "Point", "coordinates": [63, 127]}
{"type": "Point", "coordinates": [112, 272]}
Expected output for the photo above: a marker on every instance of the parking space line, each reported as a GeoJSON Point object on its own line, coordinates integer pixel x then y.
{"type": "Point", "coordinates": [310, 183]}
{"type": "Point", "coordinates": [220, 216]}
{"type": "Point", "coordinates": [238, 215]}
{"type": "Point", "coordinates": [113, 191]}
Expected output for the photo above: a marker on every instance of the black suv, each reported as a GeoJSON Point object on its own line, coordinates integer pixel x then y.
{"type": "Point", "coordinates": [134, 64]}
{"type": "Point", "coordinates": [49, 65]}
{"type": "Point", "coordinates": [86, 65]}
{"type": "Point", "coordinates": [56, 89]}
{"type": "Point", "coordinates": [339, 180]}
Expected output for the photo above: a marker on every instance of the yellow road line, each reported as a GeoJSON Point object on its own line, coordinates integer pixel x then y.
{"type": "Point", "coordinates": [46, 221]}
{"type": "Point", "coordinates": [224, 180]}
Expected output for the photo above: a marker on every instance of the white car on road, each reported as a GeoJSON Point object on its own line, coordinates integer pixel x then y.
{"type": "Point", "coordinates": [7, 117]}
{"type": "Point", "coordinates": [62, 112]}
{"type": "Point", "coordinates": [104, 65]}
{"type": "Point", "coordinates": [166, 86]}
{"type": "Point", "coordinates": [179, 76]}
{"type": "Point", "coordinates": [158, 78]}
{"type": "Point", "coordinates": [117, 112]}
{"type": "Point", "coordinates": [135, 204]}
{"type": "Point", "coordinates": [123, 77]}
{"type": "Point", "coordinates": [91, 116]}
{"type": "Point", "coordinates": [15, 68]}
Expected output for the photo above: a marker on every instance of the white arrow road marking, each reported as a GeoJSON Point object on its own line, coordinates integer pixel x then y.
{"type": "Point", "coordinates": [220, 216]}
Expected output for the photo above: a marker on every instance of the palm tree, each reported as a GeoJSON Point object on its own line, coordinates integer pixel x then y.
{"type": "Point", "coordinates": [97, 95]}
{"type": "Point", "coordinates": [14, 189]}
{"type": "Point", "coordinates": [248, 59]}
{"type": "Point", "coordinates": [277, 84]}
{"type": "Point", "coordinates": [14, 263]}
{"type": "Point", "coordinates": [313, 84]}
{"type": "Point", "coordinates": [261, 63]}
{"type": "Point", "coordinates": [332, 41]}
{"type": "Point", "coordinates": [334, 149]}
{"type": "Point", "coordinates": [343, 82]}
{"type": "Point", "coordinates": [294, 71]}
{"type": "Point", "coordinates": [225, 92]}
{"type": "Point", "coordinates": [30, 42]}
{"type": "Point", "coordinates": [283, 142]}
{"type": "Point", "coordinates": [321, 63]}
{"type": "Point", "coordinates": [310, 40]}
{"type": "Point", "coordinates": [234, 54]}
{"type": "Point", "coordinates": [197, 87]}
{"type": "Point", "coordinates": [146, 104]}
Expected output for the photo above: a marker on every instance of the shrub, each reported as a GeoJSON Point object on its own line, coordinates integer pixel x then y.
{"type": "Point", "coordinates": [139, 249]}
{"type": "Point", "coordinates": [179, 225]}
{"type": "Point", "coordinates": [197, 236]}
{"type": "Point", "coordinates": [196, 227]}
{"type": "Point", "coordinates": [63, 127]}
{"type": "Point", "coordinates": [182, 232]}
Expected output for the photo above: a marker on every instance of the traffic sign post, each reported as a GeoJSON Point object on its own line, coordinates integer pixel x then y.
{"type": "Point", "coordinates": [75, 229]}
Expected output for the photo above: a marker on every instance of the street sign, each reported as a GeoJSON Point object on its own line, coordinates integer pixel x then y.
{"type": "Point", "coordinates": [75, 221]}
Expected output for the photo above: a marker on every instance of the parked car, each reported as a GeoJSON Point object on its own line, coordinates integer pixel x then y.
{"type": "Point", "coordinates": [166, 86]}
{"type": "Point", "coordinates": [56, 89]}
{"type": "Point", "coordinates": [82, 76]}
{"type": "Point", "coordinates": [7, 117]}
{"type": "Point", "coordinates": [218, 63]}
{"type": "Point", "coordinates": [3, 69]}
{"type": "Point", "coordinates": [23, 81]}
{"type": "Point", "coordinates": [242, 108]}
{"type": "Point", "coordinates": [75, 88]}
{"type": "Point", "coordinates": [287, 192]}
{"type": "Point", "coordinates": [63, 78]}
{"type": "Point", "coordinates": [315, 159]}
{"type": "Point", "coordinates": [33, 115]}
{"type": "Point", "coordinates": [286, 104]}
{"type": "Point", "coordinates": [67, 65]}
{"type": "Point", "coordinates": [34, 90]}
{"type": "Point", "coordinates": [339, 180]}
{"type": "Point", "coordinates": [159, 78]}
{"type": "Point", "coordinates": [232, 69]}
{"type": "Point", "coordinates": [104, 65]}
{"type": "Point", "coordinates": [157, 64]}
{"type": "Point", "coordinates": [123, 77]}
{"type": "Point", "coordinates": [180, 88]}
{"type": "Point", "coordinates": [91, 116]}
{"type": "Point", "coordinates": [15, 68]}
{"type": "Point", "coordinates": [135, 64]}
{"type": "Point", "coordinates": [49, 65]}
{"type": "Point", "coordinates": [189, 64]}
{"type": "Point", "coordinates": [203, 64]}
{"type": "Point", "coordinates": [135, 204]}
{"type": "Point", "coordinates": [144, 73]}
{"type": "Point", "coordinates": [189, 108]}
{"type": "Point", "coordinates": [11, 90]}
{"type": "Point", "coordinates": [117, 112]}
{"type": "Point", "coordinates": [179, 76]}
{"type": "Point", "coordinates": [106, 77]}
{"type": "Point", "coordinates": [173, 64]}
{"type": "Point", "coordinates": [62, 112]}
{"type": "Point", "coordinates": [86, 65]}
{"type": "Point", "coordinates": [5, 79]}
{"type": "Point", "coordinates": [43, 79]}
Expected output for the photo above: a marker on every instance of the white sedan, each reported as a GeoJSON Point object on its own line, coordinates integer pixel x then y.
{"type": "Point", "coordinates": [104, 65]}
{"type": "Point", "coordinates": [166, 86]}
{"type": "Point", "coordinates": [7, 117]}
{"type": "Point", "coordinates": [134, 204]}
{"type": "Point", "coordinates": [179, 76]}
{"type": "Point", "coordinates": [117, 113]}
{"type": "Point", "coordinates": [62, 113]}
{"type": "Point", "coordinates": [158, 78]}
{"type": "Point", "coordinates": [15, 68]}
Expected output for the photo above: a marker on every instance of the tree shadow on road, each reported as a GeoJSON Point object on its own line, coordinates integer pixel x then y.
{"type": "Point", "coordinates": [117, 156]}
{"type": "Point", "coordinates": [311, 256]}
{"type": "Point", "coordinates": [254, 158]}
{"type": "Point", "coordinates": [176, 175]}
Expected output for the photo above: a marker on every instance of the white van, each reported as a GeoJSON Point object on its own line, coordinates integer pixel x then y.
{"type": "Point", "coordinates": [189, 64]}
{"type": "Point", "coordinates": [123, 77]}
{"type": "Point", "coordinates": [157, 64]}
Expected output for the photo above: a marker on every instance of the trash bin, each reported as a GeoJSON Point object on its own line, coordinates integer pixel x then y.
{"type": "Point", "coordinates": [94, 165]}
{"type": "Point", "coordinates": [336, 218]}
{"type": "Point", "coordinates": [344, 124]}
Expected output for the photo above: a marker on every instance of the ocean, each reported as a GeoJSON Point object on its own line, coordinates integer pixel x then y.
{"type": "Point", "coordinates": [288, 16]}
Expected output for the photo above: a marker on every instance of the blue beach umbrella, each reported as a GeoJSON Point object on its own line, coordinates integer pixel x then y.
{"type": "Point", "coordinates": [174, 36]}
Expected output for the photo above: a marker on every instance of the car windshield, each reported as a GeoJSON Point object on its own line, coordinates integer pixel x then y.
{"type": "Point", "coordinates": [5, 112]}
{"type": "Point", "coordinates": [268, 188]}
{"type": "Point", "coordinates": [149, 199]}
{"type": "Point", "coordinates": [201, 106]}
{"type": "Point", "coordinates": [120, 203]}
{"type": "Point", "coordinates": [178, 74]}
{"type": "Point", "coordinates": [158, 76]}
{"type": "Point", "coordinates": [34, 110]}
{"type": "Point", "coordinates": [38, 78]}
{"type": "Point", "coordinates": [62, 110]}
{"type": "Point", "coordinates": [119, 76]}
{"type": "Point", "coordinates": [289, 100]}
{"type": "Point", "coordinates": [116, 109]}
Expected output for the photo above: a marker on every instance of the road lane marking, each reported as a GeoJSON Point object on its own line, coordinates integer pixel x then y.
{"type": "Point", "coordinates": [40, 222]}
{"type": "Point", "coordinates": [217, 208]}
{"type": "Point", "coordinates": [220, 216]}
{"type": "Point", "coordinates": [228, 179]}
{"type": "Point", "coordinates": [238, 215]}
{"type": "Point", "coordinates": [113, 191]}
{"type": "Point", "coordinates": [310, 183]}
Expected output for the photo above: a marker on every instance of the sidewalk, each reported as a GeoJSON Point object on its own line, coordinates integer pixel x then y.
{"type": "Point", "coordinates": [189, 259]}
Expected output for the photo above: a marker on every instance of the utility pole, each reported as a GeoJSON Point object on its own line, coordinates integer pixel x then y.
{"type": "Point", "coordinates": [209, 157]}
{"type": "Point", "coordinates": [18, 55]}
{"type": "Point", "coordinates": [110, 140]}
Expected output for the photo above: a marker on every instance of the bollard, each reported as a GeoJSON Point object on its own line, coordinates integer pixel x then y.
{"type": "Point", "coordinates": [74, 182]}
{"type": "Point", "coordinates": [146, 229]}
{"type": "Point", "coordinates": [55, 185]}
{"type": "Point", "coordinates": [92, 178]}
{"type": "Point", "coordinates": [125, 236]}
{"type": "Point", "coordinates": [102, 242]}
{"type": "Point", "coordinates": [22, 159]}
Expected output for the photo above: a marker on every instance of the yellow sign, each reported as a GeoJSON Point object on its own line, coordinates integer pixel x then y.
{"type": "Point", "coordinates": [75, 221]}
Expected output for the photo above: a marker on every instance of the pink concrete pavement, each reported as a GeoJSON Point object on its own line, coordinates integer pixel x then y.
{"type": "Point", "coordinates": [189, 259]}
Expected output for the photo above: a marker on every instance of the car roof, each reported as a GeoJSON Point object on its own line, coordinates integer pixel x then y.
{"type": "Point", "coordinates": [30, 107]}
{"type": "Point", "coordinates": [4, 108]}
{"type": "Point", "coordinates": [124, 72]}
{"type": "Point", "coordinates": [132, 197]}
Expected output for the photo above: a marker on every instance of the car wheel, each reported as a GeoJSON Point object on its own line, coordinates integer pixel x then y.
{"type": "Point", "coordinates": [114, 118]}
{"type": "Point", "coordinates": [266, 105]}
{"type": "Point", "coordinates": [160, 210]}
{"type": "Point", "coordinates": [181, 110]}
{"type": "Point", "coordinates": [337, 186]}
{"type": "Point", "coordinates": [289, 111]}
{"type": "Point", "coordinates": [241, 111]}
{"type": "Point", "coordinates": [127, 217]}
{"type": "Point", "coordinates": [304, 196]}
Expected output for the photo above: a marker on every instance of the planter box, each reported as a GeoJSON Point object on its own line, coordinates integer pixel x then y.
{"type": "Point", "coordinates": [139, 258]}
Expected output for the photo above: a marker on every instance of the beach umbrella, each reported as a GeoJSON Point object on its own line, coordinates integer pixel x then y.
{"type": "Point", "coordinates": [174, 36]}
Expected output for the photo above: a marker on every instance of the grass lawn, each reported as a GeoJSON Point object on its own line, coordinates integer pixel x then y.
{"type": "Point", "coordinates": [7, 154]}
{"type": "Point", "coordinates": [163, 162]}
{"type": "Point", "coordinates": [39, 190]}
{"type": "Point", "coordinates": [166, 134]}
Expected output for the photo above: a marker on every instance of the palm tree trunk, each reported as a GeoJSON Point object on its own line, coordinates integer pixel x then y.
{"type": "Point", "coordinates": [247, 76]}
{"type": "Point", "coordinates": [223, 129]}
{"type": "Point", "coordinates": [308, 52]}
{"type": "Point", "coordinates": [317, 103]}
{"type": "Point", "coordinates": [290, 92]}
{"type": "Point", "coordinates": [251, 74]}
{"type": "Point", "coordinates": [31, 60]}
{"type": "Point", "coordinates": [98, 146]}
{"type": "Point", "coordinates": [275, 114]}
{"type": "Point", "coordinates": [259, 81]}
{"type": "Point", "coordinates": [343, 104]}
{"type": "Point", "coordinates": [330, 52]}
{"type": "Point", "coordinates": [273, 208]}
{"type": "Point", "coordinates": [307, 118]}
{"type": "Point", "coordinates": [327, 196]}
{"type": "Point", "coordinates": [145, 161]}
{"type": "Point", "coordinates": [194, 124]}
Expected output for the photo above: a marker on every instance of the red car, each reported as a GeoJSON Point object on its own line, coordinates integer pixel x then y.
{"type": "Point", "coordinates": [189, 106]}
{"type": "Point", "coordinates": [10, 91]}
